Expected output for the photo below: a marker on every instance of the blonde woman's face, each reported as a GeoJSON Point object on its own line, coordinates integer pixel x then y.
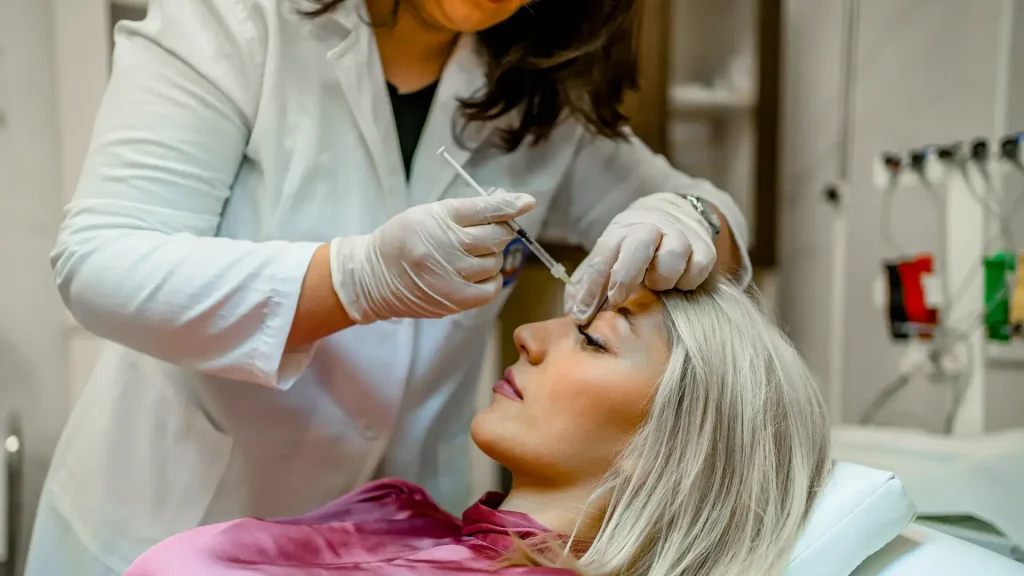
{"type": "Point", "coordinates": [578, 398]}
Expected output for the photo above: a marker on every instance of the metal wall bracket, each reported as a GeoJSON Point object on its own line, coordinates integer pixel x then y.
{"type": "Point", "coordinates": [11, 452]}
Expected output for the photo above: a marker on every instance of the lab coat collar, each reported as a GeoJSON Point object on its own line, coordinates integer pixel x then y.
{"type": "Point", "coordinates": [464, 76]}
{"type": "Point", "coordinates": [353, 49]}
{"type": "Point", "coordinates": [335, 28]}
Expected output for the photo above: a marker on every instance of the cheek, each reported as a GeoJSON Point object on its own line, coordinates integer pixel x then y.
{"type": "Point", "coordinates": [572, 425]}
{"type": "Point", "coordinates": [589, 415]}
{"type": "Point", "coordinates": [599, 403]}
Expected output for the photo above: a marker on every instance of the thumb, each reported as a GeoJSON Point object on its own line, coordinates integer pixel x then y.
{"type": "Point", "coordinates": [590, 285]}
{"type": "Point", "coordinates": [500, 206]}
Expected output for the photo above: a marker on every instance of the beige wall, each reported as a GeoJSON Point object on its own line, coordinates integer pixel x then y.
{"type": "Point", "coordinates": [32, 360]}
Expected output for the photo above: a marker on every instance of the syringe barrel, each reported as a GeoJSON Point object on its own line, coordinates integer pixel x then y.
{"type": "Point", "coordinates": [540, 252]}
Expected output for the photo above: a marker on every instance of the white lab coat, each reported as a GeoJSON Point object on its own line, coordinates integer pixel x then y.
{"type": "Point", "coordinates": [234, 138]}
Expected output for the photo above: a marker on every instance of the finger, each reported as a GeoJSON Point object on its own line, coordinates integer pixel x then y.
{"type": "Point", "coordinates": [604, 250]}
{"type": "Point", "coordinates": [485, 291]}
{"type": "Point", "coordinates": [592, 284]}
{"type": "Point", "coordinates": [669, 263]}
{"type": "Point", "coordinates": [702, 262]}
{"type": "Point", "coordinates": [591, 295]}
{"type": "Point", "coordinates": [485, 239]}
{"type": "Point", "coordinates": [569, 297]}
{"type": "Point", "coordinates": [498, 207]}
{"type": "Point", "coordinates": [480, 268]}
{"type": "Point", "coordinates": [635, 256]}
{"type": "Point", "coordinates": [572, 291]}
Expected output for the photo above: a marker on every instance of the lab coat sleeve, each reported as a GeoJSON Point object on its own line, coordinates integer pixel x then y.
{"type": "Point", "coordinates": [135, 260]}
{"type": "Point", "coordinates": [607, 175]}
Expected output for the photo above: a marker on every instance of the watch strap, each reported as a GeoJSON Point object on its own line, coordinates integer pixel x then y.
{"type": "Point", "coordinates": [707, 213]}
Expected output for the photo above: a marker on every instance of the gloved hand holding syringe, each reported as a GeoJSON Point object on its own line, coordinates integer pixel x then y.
{"type": "Point", "coordinates": [557, 270]}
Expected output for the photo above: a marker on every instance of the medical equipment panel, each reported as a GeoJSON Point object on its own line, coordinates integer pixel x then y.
{"type": "Point", "coordinates": [951, 306]}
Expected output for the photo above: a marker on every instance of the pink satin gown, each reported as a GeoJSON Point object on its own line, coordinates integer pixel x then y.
{"type": "Point", "coordinates": [386, 528]}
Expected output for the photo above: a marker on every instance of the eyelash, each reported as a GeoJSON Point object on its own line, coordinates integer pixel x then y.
{"type": "Point", "coordinates": [590, 341]}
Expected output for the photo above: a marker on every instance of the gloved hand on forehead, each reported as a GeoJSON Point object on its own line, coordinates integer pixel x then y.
{"type": "Point", "coordinates": [660, 240]}
{"type": "Point", "coordinates": [429, 261]}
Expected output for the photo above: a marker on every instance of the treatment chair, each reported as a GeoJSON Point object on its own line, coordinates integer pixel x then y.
{"type": "Point", "coordinates": [861, 524]}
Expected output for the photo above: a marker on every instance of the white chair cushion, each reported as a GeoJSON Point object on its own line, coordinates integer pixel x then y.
{"type": "Point", "coordinates": [859, 511]}
{"type": "Point", "coordinates": [921, 551]}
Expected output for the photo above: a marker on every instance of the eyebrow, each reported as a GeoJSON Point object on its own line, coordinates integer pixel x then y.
{"type": "Point", "coordinates": [627, 314]}
{"type": "Point", "coordinates": [623, 311]}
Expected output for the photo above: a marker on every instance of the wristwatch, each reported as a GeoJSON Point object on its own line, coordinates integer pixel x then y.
{"type": "Point", "coordinates": [707, 213]}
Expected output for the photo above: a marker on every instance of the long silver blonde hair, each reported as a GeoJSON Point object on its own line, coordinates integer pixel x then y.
{"type": "Point", "coordinates": [719, 479]}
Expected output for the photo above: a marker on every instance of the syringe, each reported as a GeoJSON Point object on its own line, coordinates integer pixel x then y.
{"type": "Point", "coordinates": [557, 270]}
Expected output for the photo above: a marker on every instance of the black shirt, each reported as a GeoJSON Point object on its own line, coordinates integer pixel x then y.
{"type": "Point", "coordinates": [410, 110]}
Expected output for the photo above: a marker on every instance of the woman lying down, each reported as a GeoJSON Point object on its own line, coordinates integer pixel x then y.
{"type": "Point", "coordinates": [678, 434]}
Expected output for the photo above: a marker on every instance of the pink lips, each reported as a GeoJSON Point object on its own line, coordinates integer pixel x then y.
{"type": "Point", "coordinates": [507, 387]}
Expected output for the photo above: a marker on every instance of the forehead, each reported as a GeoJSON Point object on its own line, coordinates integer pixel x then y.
{"type": "Point", "coordinates": [643, 311]}
{"type": "Point", "coordinates": [643, 302]}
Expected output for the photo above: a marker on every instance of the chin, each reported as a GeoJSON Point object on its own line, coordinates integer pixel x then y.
{"type": "Point", "coordinates": [487, 435]}
{"type": "Point", "coordinates": [496, 436]}
{"type": "Point", "coordinates": [509, 445]}
{"type": "Point", "coordinates": [468, 16]}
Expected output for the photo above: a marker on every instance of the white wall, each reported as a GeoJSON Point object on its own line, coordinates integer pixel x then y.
{"type": "Point", "coordinates": [810, 130]}
{"type": "Point", "coordinates": [32, 363]}
{"type": "Point", "coordinates": [82, 67]}
{"type": "Point", "coordinates": [1005, 407]}
{"type": "Point", "coordinates": [83, 48]}
{"type": "Point", "coordinates": [925, 73]}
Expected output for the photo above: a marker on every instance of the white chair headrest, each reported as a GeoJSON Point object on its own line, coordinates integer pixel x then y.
{"type": "Point", "coordinates": [859, 511]}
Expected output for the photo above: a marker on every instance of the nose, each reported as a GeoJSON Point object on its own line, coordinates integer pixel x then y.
{"type": "Point", "coordinates": [532, 341]}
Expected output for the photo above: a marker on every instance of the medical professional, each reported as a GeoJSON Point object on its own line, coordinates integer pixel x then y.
{"type": "Point", "coordinates": [296, 290]}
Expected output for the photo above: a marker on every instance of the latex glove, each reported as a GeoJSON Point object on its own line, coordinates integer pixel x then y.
{"type": "Point", "coordinates": [660, 240]}
{"type": "Point", "coordinates": [429, 261]}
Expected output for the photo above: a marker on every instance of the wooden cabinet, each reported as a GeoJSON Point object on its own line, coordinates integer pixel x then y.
{"type": "Point", "coordinates": [709, 100]}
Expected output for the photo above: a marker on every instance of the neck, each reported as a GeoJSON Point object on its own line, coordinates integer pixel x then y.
{"type": "Point", "coordinates": [563, 509]}
{"type": "Point", "coordinates": [413, 51]}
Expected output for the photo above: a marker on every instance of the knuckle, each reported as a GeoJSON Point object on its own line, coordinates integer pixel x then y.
{"type": "Point", "coordinates": [703, 262]}
{"type": "Point", "coordinates": [446, 206]}
{"type": "Point", "coordinates": [659, 282]}
{"type": "Point", "coordinates": [675, 251]}
{"type": "Point", "coordinates": [501, 233]}
{"type": "Point", "coordinates": [493, 263]}
{"type": "Point", "coordinates": [630, 263]}
{"type": "Point", "coordinates": [484, 292]}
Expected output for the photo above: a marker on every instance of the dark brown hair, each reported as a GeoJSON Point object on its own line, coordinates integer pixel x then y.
{"type": "Point", "coordinates": [551, 60]}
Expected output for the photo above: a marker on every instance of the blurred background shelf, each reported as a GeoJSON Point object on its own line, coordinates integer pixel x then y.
{"type": "Point", "coordinates": [709, 101]}
{"type": "Point", "coordinates": [698, 99]}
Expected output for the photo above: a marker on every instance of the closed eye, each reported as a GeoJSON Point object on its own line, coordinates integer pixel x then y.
{"type": "Point", "coordinates": [591, 341]}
